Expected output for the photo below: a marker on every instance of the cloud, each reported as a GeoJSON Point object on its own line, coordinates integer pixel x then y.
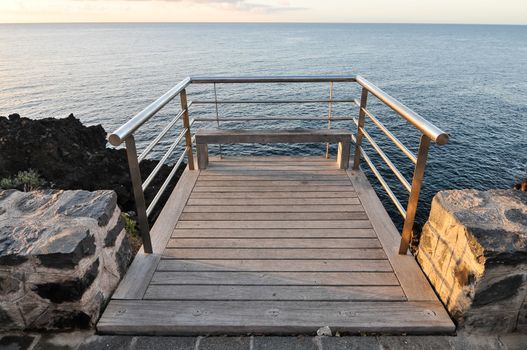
{"type": "Point", "coordinates": [240, 5]}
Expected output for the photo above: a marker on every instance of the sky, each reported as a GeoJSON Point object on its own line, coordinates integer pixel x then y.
{"type": "Point", "coordinates": [353, 11]}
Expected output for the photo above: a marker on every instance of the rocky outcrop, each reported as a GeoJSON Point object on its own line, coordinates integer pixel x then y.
{"type": "Point", "coordinates": [474, 251]}
{"type": "Point", "coordinates": [62, 253]}
{"type": "Point", "coordinates": [70, 156]}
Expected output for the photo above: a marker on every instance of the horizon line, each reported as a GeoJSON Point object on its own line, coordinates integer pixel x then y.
{"type": "Point", "coordinates": [266, 22]}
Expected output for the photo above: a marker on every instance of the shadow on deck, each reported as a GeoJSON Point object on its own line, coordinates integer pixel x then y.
{"type": "Point", "coordinates": [274, 245]}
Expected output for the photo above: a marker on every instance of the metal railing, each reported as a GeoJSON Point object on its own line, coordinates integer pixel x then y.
{"type": "Point", "coordinates": [429, 133]}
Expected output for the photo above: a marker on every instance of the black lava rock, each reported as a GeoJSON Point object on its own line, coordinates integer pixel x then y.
{"type": "Point", "coordinates": [71, 156]}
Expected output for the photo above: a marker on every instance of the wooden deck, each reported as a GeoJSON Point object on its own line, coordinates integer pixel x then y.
{"type": "Point", "coordinates": [274, 245]}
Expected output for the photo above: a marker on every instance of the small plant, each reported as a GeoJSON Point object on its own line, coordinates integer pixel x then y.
{"type": "Point", "coordinates": [129, 225]}
{"type": "Point", "coordinates": [26, 181]}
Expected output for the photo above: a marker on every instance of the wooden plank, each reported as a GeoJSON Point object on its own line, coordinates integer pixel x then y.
{"type": "Point", "coordinates": [252, 188]}
{"type": "Point", "coordinates": [216, 170]}
{"type": "Point", "coordinates": [272, 158]}
{"type": "Point", "coordinates": [275, 265]}
{"type": "Point", "coordinates": [224, 136]}
{"type": "Point", "coordinates": [272, 208]}
{"type": "Point", "coordinates": [273, 216]}
{"type": "Point", "coordinates": [277, 243]}
{"type": "Point", "coordinates": [412, 279]}
{"type": "Point", "coordinates": [135, 282]}
{"type": "Point", "coordinates": [270, 183]}
{"type": "Point", "coordinates": [274, 195]}
{"type": "Point", "coordinates": [250, 162]}
{"type": "Point", "coordinates": [274, 233]}
{"type": "Point", "coordinates": [277, 278]}
{"type": "Point", "coordinates": [220, 166]}
{"type": "Point", "coordinates": [287, 293]}
{"type": "Point", "coordinates": [277, 177]}
{"type": "Point", "coordinates": [137, 277]}
{"type": "Point", "coordinates": [283, 253]}
{"type": "Point", "coordinates": [303, 202]}
{"type": "Point", "coordinates": [275, 224]}
{"type": "Point", "coordinates": [158, 317]}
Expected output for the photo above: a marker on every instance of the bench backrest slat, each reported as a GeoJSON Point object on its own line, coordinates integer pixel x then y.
{"type": "Point", "coordinates": [230, 136]}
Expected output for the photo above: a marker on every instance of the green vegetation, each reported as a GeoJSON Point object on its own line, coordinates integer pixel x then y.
{"type": "Point", "coordinates": [130, 226]}
{"type": "Point", "coordinates": [26, 181]}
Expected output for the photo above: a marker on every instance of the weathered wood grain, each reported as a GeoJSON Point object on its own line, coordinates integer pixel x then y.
{"type": "Point", "coordinates": [269, 183]}
{"type": "Point", "coordinates": [253, 188]}
{"type": "Point", "coordinates": [273, 216]}
{"type": "Point", "coordinates": [277, 278]}
{"type": "Point", "coordinates": [275, 265]}
{"type": "Point", "coordinates": [282, 253]}
{"type": "Point", "coordinates": [272, 317]}
{"type": "Point", "coordinates": [275, 224]}
{"type": "Point", "coordinates": [412, 279]}
{"type": "Point", "coordinates": [274, 195]}
{"type": "Point", "coordinates": [135, 281]}
{"type": "Point", "coordinates": [223, 136]}
{"type": "Point", "coordinates": [273, 243]}
{"type": "Point", "coordinates": [272, 208]}
{"type": "Point", "coordinates": [271, 292]}
{"type": "Point", "coordinates": [333, 203]}
{"type": "Point", "coordinates": [275, 233]}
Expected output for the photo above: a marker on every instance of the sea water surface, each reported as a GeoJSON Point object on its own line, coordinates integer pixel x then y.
{"type": "Point", "coordinates": [469, 80]}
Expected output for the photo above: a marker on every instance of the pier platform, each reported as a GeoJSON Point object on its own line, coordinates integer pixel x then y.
{"type": "Point", "coordinates": [274, 245]}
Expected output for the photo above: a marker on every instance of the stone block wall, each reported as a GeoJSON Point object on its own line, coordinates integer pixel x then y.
{"type": "Point", "coordinates": [473, 250]}
{"type": "Point", "coordinates": [62, 254]}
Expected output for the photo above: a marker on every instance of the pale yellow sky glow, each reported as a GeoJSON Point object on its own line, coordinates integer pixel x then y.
{"type": "Point", "coordinates": [377, 11]}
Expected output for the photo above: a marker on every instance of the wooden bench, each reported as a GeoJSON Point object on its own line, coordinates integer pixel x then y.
{"type": "Point", "coordinates": [204, 137]}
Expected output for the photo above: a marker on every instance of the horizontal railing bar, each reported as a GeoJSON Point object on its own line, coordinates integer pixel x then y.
{"type": "Point", "coordinates": [381, 180]}
{"type": "Point", "coordinates": [160, 136]}
{"type": "Point", "coordinates": [166, 183]}
{"type": "Point", "coordinates": [163, 160]}
{"type": "Point", "coordinates": [119, 135]}
{"type": "Point", "coordinates": [433, 132]}
{"type": "Point", "coordinates": [269, 101]}
{"type": "Point", "coordinates": [233, 119]}
{"type": "Point", "coordinates": [384, 157]}
{"type": "Point", "coordinates": [388, 133]}
{"type": "Point", "coordinates": [271, 79]}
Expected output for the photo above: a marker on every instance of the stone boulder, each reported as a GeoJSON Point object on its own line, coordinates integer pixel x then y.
{"type": "Point", "coordinates": [71, 156]}
{"type": "Point", "coordinates": [62, 254]}
{"type": "Point", "coordinates": [474, 251]}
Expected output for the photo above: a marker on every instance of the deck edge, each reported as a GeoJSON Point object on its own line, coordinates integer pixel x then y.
{"type": "Point", "coordinates": [138, 275]}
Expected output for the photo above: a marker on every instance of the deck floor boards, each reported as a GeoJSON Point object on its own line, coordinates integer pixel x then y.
{"type": "Point", "coordinates": [274, 245]}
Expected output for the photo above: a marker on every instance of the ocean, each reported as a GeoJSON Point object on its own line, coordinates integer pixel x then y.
{"type": "Point", "coordinates": [470, 80]}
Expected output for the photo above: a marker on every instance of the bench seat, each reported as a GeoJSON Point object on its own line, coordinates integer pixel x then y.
{"type": "Point", "coordinates": [204, 137]}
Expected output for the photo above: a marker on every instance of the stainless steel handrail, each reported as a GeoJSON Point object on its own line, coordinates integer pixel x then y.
{"type": "Point", "coordinates": [388, 133]}
{"type": "Point", "coordinates": [429, 132]}
{"type": "Point", "coordinates": [277, 79]}
{"type": "Point", "coordinates": [433, 132]}
{"type": "Point", "coordinates": [127, 129]}
{"type": "Point", "coordinates": [270, 101]}
{"type": "Point", "coordinates": [384, 157]}
{"type": "Point", "coordinates": [161, 134]}
{"type": "Point", "coordinates": [243, 119]}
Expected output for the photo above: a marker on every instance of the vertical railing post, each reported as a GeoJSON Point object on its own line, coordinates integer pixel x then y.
{"type": "Point", "coordinates": [329, 113]}
{"type": "Point", "coordinates": [362, 115]}
{"type": "Point", "coordinates": [135, 175]}
{"type": "Point", "coordinates": [217, 116]}
{"type": "Point", "coordinates": [417, 181]}
{"type": "Point", "coordinates": [186, 125]}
